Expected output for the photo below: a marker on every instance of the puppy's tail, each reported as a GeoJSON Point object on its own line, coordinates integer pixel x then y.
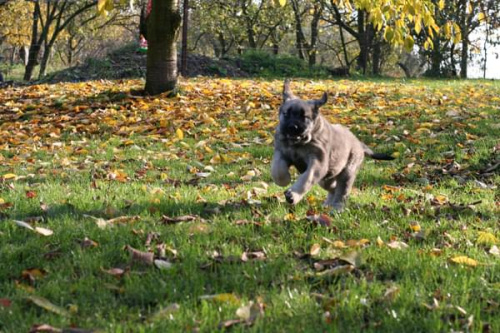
{"type": "Point", "coordinates": [376, 156]}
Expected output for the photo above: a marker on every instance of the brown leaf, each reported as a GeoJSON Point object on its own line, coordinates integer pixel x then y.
{"type": "Point", "coordinates": [320, 219]}
{"type": "Point", "coordinates": [177, 219]}
{"type": "Point", "coordinates": [30, 194]}
{"type": "Point", "coordinates": [140, 256]}
{"type": "Point", "coordinates": [33, 274]}
{"type": "Point", "coordinates": [257, 255]}
{"type": "Point", "coordinates": [230, 323]}
{"type": "Point", "coordinates": [5, 302]}
{"type": "Point", "coordinates": [87, 242]}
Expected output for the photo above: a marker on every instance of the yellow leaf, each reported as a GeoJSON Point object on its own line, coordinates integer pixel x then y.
{"type": "Point", "coordinates": [9, 176]}
{"type": "Point", "coordinates": [282, 3]}
{"type": "Point", "coordinates": [441, 4]}
{"type": "Point", "coordinates": [409, 42]}
{"type": "Point", "coordinates": [222, 298]}
{"type": "Point", "coordinates": [415, 226]}
{"type": "Point", "coordinates": [481, 17]}
{"type": "Point", "coordinates": [339, 244]}
{"type": "Point", "coordinates": [180, 134]}
{"type": "Point", "coordinates": [463, 260]}
{"type": "Point", "coordinates": [418, 24]}
{"type": "Point", "coordinates": [363, 241]}
{"type": "Point", "coordinates": [101, 7]}
{"type": "Point", "coordinates": [486, 238]}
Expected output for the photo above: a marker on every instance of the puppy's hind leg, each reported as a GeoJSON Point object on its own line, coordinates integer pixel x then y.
{"type": "Point", "coordinates": [280, 170]}
{"type": "Point", "coordinates": [329, 185]}
{"type": "Point", "coordinates": [345, 180]}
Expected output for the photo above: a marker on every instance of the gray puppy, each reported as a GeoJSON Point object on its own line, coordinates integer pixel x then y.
{"type": "Point", "coordinates": [324, 154]}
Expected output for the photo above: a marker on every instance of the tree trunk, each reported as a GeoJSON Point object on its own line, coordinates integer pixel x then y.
{"type": "Point", "coordinates": [363, 43]}
{"type": "Point", "coordinates": [377, 55]}
{"type": "Point", "coordinates": [465, 39]}
{"type": "Point", "coordinates": [299, 35]}
{"type": "Point", "coordinates": [163, 27]}
{"type": "Point", "coordinates": [44, 62]}
{"type": "Point", "coordinates": [276, 48]}
{"type": "Point", "coordinates": [34, 46]}
{"type": "Point", "coordinates": [184, 51]}
{"type": "Point", "coordinates": [464, 59]}
{"type": "Point", "coordinates": [318, 9]}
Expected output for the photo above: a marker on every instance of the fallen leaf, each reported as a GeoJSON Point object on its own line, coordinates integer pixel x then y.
{"type": "Point", "coordinates": [353, 258]}
{"type": "Point", "coordinates": [9, 176]}
{"type": "Point", "coordinates": [32, 274]}
{"type": "Point", "coordinates": [180, 134]}
{"type": "Point", "coordinates": [256, 255]}
{"type": "Point", "coordinates": [183, 218]}
{"type": "Point", "coordinates": [415, 226]}
{"type": "Point", "coordinates": [5, 302]}
{"type": "Point", "coordinates": [47, 305]}
{"type": "Point", "coordinates": [140, 256]}
{"type": "Point", "coordinates": [486, 238]}
{"type": "Point", "coordinates": [162, 264]}
{"type": "Point", "coordinates": [40, 230]}
{"type": "Point", "coordinates": [464, 260]}
{"type": "Point", "coordinates": [494, 251]}
{"type": "Point", "coordinates": [397, 245]}
{"type": "Point", "coordinates": [44, 231]}
{"type": "Point", "coordinates": [321, 219]}
{"type": "Point", "coordinates": [230, 323]}
{"type": "Point", "coordinates": [315, 249]}
{"type": "Point", "coordinates": [44, 328]}
{"type": "Point", "coordinates": [87, 242]}
{"type": "Point", "coordinates": [30, 194]}
{"type": "Point", "coordinates": [250, 312]}
{"type": "Point", "coordinates": [23, 224]}
{"type": "Point", "coordinates": [118, 272]}
{"type": "Point", "coordinates": [223, 298]}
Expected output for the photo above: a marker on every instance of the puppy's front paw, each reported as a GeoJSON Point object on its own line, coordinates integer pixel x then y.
{"type": "Point", "coordinates": [292, 197]}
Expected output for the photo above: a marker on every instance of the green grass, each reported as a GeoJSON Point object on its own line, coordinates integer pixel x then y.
{"type": "Point", "coordinates": [67, 156]}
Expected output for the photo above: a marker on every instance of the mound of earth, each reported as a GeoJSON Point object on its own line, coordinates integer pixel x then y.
{"type": "Point", "coordinates": [128, 62]}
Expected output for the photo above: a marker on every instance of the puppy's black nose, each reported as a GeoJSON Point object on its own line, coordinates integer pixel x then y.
{"type": "Point", "coordinates": [293, 129]}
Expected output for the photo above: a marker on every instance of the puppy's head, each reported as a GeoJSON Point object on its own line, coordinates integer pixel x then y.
{"type": "Point", "coordinates": [297, 116]}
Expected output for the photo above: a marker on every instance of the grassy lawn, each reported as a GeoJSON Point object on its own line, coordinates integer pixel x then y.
{"type": "Point", "coordinates": [109, 173]}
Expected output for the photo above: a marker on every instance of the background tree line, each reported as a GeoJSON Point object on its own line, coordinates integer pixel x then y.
{"type": "Point", "coordinates": [369, 37]}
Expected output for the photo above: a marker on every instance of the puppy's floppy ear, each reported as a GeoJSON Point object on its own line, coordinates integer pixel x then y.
{"type": "Point", "coordinates": [287, 92]}
{"type": "Point", "coordinates": [317, 103]}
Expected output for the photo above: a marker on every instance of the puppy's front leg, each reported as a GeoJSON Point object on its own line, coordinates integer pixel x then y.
{"type": "Point", "coordinates": [313, 174]}
{"type": "Point", "coordinates": [280, 169]}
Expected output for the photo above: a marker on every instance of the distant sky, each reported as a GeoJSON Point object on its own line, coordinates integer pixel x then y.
{"type": "Point", "coordinates": [493, 60]}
